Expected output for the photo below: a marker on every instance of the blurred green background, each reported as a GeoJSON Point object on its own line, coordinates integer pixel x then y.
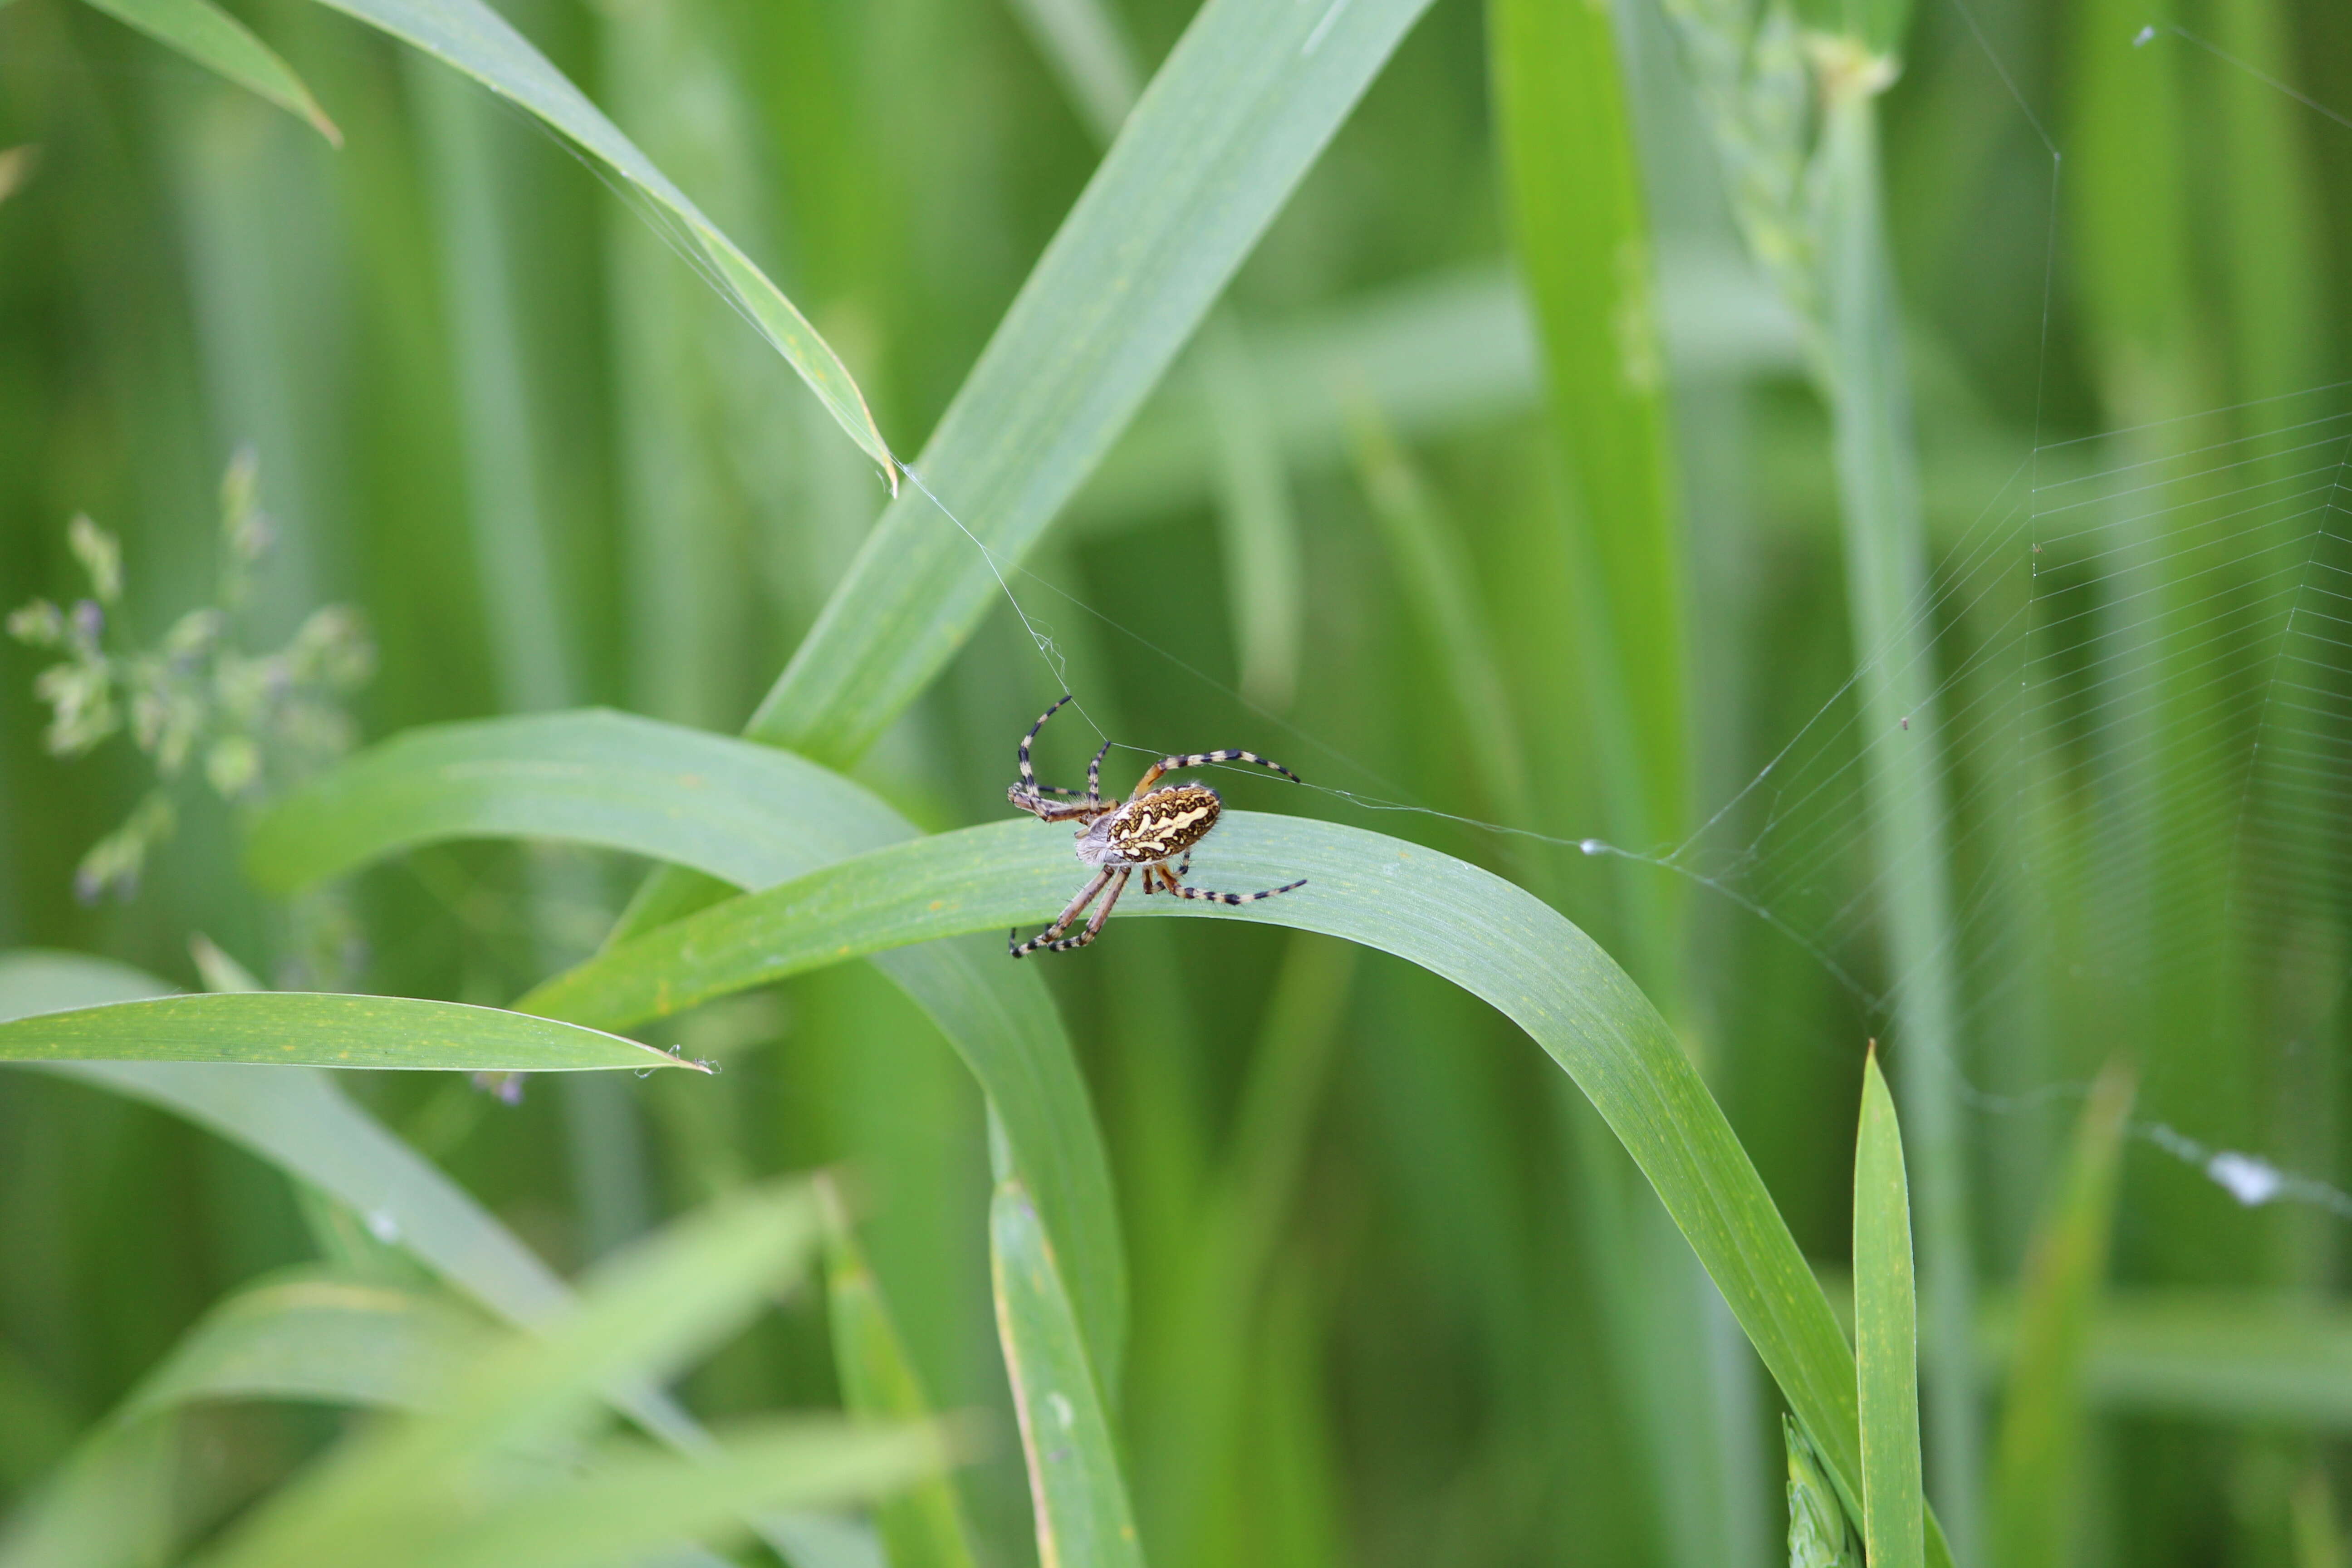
{"type": "Point", "coordinates": [1397, 1298]}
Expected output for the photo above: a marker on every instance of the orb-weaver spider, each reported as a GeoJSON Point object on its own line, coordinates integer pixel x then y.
{"type": "Point", "coordinates": [1143, 832]}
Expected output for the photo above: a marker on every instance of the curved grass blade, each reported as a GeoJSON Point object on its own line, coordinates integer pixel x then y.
{"type": "Point", "coordinates": [1226, 129]}
{"type": "Point", "coordinates": [221, 43]}
{"type": "Point", "coordinates": [629, 1505]}
{"type": "Point", "coordinates": [305, 1335]}
{"type": "Point", "coordinates": [1467, 925]}
{"type": "Point", "coordinates": [287, 1028]}
{"type": "Point", "coordinates": [297, 1119]}
{"type": "Point", "coordinates": [1886, 1340]}
{"type": "Point", "coordinates": [312, 1335]}
{"type": "Point", "coordinates": [923, 1527]}
{"type": "Point", "coordinates": [1075, 1487]}
{"type": "Point", "coordinates": [476, 39]}
{"type": "Point", "coordinates": [2038, 1455]}
{"type": "Point", "coordinates": [752, 815]}
{"type": "Point", "coordinates": [437, 1490]}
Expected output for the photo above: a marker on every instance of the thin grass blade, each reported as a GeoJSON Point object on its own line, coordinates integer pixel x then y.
{"type": "Point", "coordinates": [477, 40]}
{"type": "Point", "coordinates": [1886, 1353]}
{"type": "Point", "coordinates": [923, 1527]}
{"type": "Point", "coordinates": [1075, 1486]}
{"type": "Point", "coordinates": [280, 1028]}
{"type": "Point", "coordinates": [221, 43]}
{"type": "Point", "coordinates": [1227, 128]}
{"type": "Point", "coordinates": [313, 1334]}
{"type": "Point", "coordinates": [2038, 1457]}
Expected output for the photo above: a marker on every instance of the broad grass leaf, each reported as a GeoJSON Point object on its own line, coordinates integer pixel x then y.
{"type": "Point", "coordinates": [288, 1028]}
{"type": "Point", "coordinates": [311, 1334]}
{"type": "Point", "coordinates": [1483, 933]}
{"type": "Point", "coordinates": [752, 815]}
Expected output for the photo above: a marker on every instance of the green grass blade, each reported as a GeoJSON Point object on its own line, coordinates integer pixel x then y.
{"type": "Point", "coordinates": [1584, 252]}
{"type": "Point", "coordinates": [752, 815]}
{"type": "Point", "coordinates": [1257, 525]}
{"type": "Point", "coordinates": [924, 1527]}
{"type": "Point", "coordinates": [1886, 569]}
{"type": "Point", "coordinates": [1228, 127]}
{"type": "Point", "coordinates": [637, 1507]}
{"type": "Point", "coordinates": [279, 1029]}
{"type": "Point", "coordinates": [221, 43]}
{"type": "Point", "coordinates": [311, 1334]}
{"type": "Point", "coordinates": [1080, 1500]}
{"type": "Point", "coordinates": [1448, 351]}
{"type": "Point", "coordinates": [594, 777]}
{"type": "Point", "coordinates": [476, 39]}
{"type": "Point", "coordinates": [305, 1335]}
{"type": "Point", "coordinates": [2255, 1356]}
{"type": "Point", "coordinates": [115, 1500]}
{"type": "Point", "coordinates": [1436, 580]}
{"type": "Point", "coordinates": [418, 1491]}
{"type": "Point", "coordinates": [298, 1120]}
{"type": "Point", "coordinates": [1082, 41]}
{"type": "Point", "coordinates": [1465, 924]}
{"type": "Point", "coordinates": [1886, 1353]}
{"type": "Point", "coordinates": [2038, 1457]}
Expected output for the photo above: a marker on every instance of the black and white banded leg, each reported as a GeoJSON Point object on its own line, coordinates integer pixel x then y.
{"type": "Point", "coordinates": [1199, 759]}
{"type": "Point", "coordinates": [1182, 892]}
{"type": "Point", "coordinates": [1114, 877]}
{"type": "Point", "coordinates": [1030, 795]}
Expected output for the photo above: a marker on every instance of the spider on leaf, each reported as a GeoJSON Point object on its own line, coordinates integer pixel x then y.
{"type": "Point", "coordinates": [1119, 837]}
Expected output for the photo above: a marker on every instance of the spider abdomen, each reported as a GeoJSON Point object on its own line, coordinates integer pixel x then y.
{"type": "Point", "coordinates": [1164, 823]}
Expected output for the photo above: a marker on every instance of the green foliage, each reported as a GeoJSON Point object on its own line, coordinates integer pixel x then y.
{"type": "Point", "coordinates": [2039, 1453]}
{"type": "Point", "coordinates": [1885, 1336]}
{"type": "Point", "coordinates": [1520, 400]}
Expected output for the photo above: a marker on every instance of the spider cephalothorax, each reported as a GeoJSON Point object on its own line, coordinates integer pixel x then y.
{"type": "Point", "coordinates": [1142, 833]}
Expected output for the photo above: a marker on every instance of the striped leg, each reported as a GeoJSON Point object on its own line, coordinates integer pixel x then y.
{"type": "Point", "coordinates": [1155, 875]}
{"type": "Point", "coordinates": [1094, 776]}
{"type": "Point", "coordinates": [1044, 942]}
{"type": "Point", "coordinates": [1184, 892]}
{"type": "Point", "coordinates": [1196, 759]}
{"type": "Point", "coordinates": [1030, 795]}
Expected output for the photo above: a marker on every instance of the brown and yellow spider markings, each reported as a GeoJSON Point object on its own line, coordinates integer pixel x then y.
{"type": "Point", "coordinates": [1118, 838]}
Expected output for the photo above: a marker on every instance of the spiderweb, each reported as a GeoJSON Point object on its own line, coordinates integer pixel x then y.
{"type": "Point", "coordinates": [2139, 741]}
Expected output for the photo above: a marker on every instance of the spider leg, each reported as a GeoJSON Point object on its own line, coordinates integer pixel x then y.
{"type": "Point", "coordinates": [1029, 795]}
{"type": "Point", "coordinates": [1155, 875]}
{"type": "Point", "coordinates": [1094, 774]}
{"type": "Point", "coordinates": [1185, 892]}
{"type": "Point", "coordinates": [1044, 810]}
{"type": "Point", "coordinates": [1117, 876]}
{"type": "Point", "coordinates": [1028, 774]}
{"type": "Point", "coordinates": [1196, 759]}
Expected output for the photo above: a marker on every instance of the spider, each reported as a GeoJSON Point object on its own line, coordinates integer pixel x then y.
{"type": "Point", "coordinates": [1145, 831]}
